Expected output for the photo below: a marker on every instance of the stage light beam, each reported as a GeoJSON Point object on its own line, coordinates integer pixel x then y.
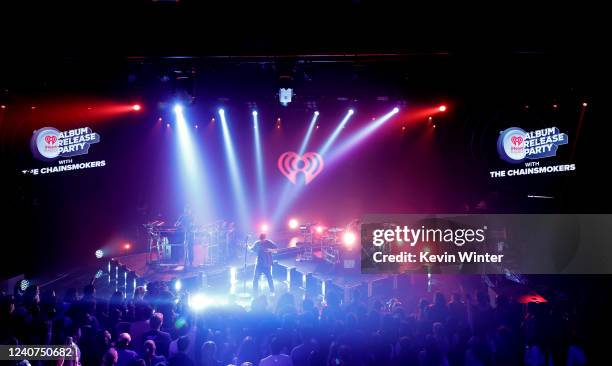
{"type": "Point", "coordinates": [191, 167]}
{"type": "Point", "coordinates": [359, 136]}
{"type": "Point", "coordinates": [198, 302]}
{"type": "Point", "coordinates": [288, 196]}
{"type": "Point", "coordinates": [259, 165]}
{"type": "Point", "coordinates": [234, 171]}
{"type": "Point", "coordinates": [329, 142]}
{"type": "Point", "coordinates": [311, 126]}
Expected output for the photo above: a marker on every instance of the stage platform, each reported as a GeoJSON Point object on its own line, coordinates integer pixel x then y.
{"type": "Point", "coordinates": [232, 281]}
{"type": "Point", "coordinates": [315, 276]}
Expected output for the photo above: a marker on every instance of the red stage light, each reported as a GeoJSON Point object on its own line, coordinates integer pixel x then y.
{"type": "Point", "coordinates": [442, 108]}
{"type": "Point", "coordinates": [136, 107]}
{"type": "Point", "coordinates": [127, 246]}
{"type": "Point", "coordinates": [536, 298]}
{"type": "Point", "coordinates": [3, 106]}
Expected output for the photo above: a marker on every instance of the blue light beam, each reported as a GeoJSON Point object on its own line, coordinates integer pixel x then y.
{"type": "Point", "coordinates": [359, 136]}
{"type": "Point", "coordinates": [333, 156]}
{"type": "Point", "coordinates": [311, 127]}
{"type": "Point", "coordinates": [261, 193]}
{"type": "Point", "coordinates": [194, 184]}
{"type": "Point", "coordinates": [234, 170]}
{"type": "Point", "coordinates": [288, 194]}
{"type": "Point", "coordinates": [330, 140]}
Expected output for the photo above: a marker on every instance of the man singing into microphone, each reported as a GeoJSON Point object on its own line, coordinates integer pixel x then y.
{"type": "Point", "coordinates": [263, 248]}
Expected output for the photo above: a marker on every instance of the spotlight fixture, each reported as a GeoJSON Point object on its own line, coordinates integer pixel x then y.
{"type": "Point", "coordinates": [349, 238]}
{"type": "Point", "coordinates": [136, 107]}
{"type": "Point", "coordinates": [99, 253]}
{"type": "Point", "coordinates": [183, 86]}
{"type": "Point", "coordinates": [285, 95]}
{"type": "Point", "coordinates": [198, 302]}
{"type": "Point", "coordinates": [442, 108]}
{"type": "Point", "coordinates": [293, 224]}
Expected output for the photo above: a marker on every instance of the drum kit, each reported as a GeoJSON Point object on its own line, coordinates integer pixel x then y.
{"type": "Point", "coordinates": [212, 243]}
{"type": "Point", "coordinates": [325, 237]}
{"type": "Point", "coordinates": [314, 234]}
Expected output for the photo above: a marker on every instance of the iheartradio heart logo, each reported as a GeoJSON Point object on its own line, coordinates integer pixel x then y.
{"type": "Point", "coordinates": [51, 140]}
{"type": "Point", "coordinates": [517, 140]}
{"type": "Point", "coordinates": [310, 164]}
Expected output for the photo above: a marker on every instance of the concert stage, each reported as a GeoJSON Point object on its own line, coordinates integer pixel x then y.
{"type": "Point", "coordinates": [291, 272]}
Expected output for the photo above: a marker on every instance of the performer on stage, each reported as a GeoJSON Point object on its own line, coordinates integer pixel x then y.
{"type": "Point", "coordinates": [263, 248]}
{"type": "Point", "coordinates": [185, 222]}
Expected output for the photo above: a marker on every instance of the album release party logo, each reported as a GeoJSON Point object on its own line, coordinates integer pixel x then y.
{"type": "Point", "coordinates": [515, 144]}
{"type": "Point", "coordinates": [310, 164]}
{"type": "Point", "coordinates": [49, 143]}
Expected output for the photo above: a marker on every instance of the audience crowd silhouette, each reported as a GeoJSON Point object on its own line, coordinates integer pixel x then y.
{"type": "Point", "coordinates": [153, 326]}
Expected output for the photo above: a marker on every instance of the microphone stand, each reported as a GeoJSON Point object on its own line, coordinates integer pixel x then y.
{"type": "Point", "coordinates": [245, 295]}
